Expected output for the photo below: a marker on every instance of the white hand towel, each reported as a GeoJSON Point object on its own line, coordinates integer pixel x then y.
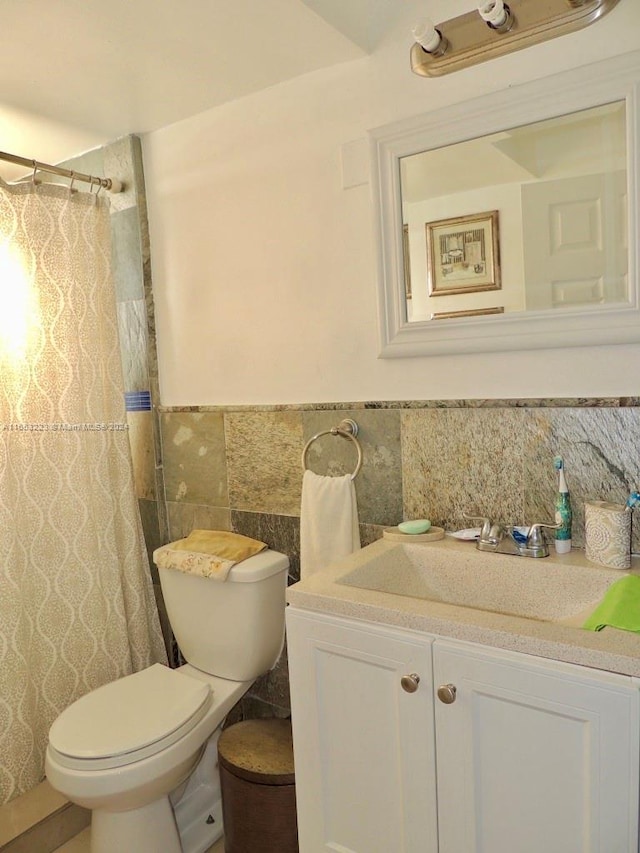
{"type": "Point", "coordinates": [328, 521]}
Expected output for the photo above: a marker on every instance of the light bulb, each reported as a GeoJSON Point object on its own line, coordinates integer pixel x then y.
{"type": "Point", "coordinates": [493, 12]}
{"type": "Point", "coordinates": [427, 35]}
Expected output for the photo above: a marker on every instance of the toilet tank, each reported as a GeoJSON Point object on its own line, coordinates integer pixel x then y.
{"type": "Point", "coordinates": [233, 628]}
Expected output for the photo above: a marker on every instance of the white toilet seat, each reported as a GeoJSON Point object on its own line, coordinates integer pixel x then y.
{"type": "Point", "coordinates": [129, 719]}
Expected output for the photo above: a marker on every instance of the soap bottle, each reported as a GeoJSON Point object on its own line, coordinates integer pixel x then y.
{"type": "Point", "coordinates": [563, 511]}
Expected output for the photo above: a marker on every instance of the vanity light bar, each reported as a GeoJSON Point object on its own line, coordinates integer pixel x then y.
{"type": "Point", "coordinates": [498, 27]}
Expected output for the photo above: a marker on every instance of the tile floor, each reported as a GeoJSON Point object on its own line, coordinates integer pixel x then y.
{"type": "Point", "coordinates": [80, 844]}
{"type": "Point", "coordinates": [22, 812]}
{"type": "Point", "coordinates": [41, 808]}
{"type": "Point", "coordinates": [38, 820]}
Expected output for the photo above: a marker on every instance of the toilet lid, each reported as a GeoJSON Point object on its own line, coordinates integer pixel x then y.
{"type": "Point", "coordinates": [130, 714]}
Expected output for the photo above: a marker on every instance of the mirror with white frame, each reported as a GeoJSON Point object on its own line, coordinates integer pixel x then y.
{"type": "Point", "coordinates": [509, 222]}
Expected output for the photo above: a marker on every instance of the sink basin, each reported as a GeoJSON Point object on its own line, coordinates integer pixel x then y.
{"type": "Point", "coordinates": [544, 589]}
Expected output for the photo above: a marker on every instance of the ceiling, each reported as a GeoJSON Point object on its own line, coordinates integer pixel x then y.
{"type": "Point", "coordinates": [94, 70]}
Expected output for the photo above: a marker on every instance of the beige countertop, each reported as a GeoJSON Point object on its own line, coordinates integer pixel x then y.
{"type": "Point", "coordinates": [610, 649]}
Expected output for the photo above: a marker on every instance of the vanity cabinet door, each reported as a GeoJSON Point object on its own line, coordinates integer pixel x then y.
{"type": "Point", "coordinates": [534, 755]}
{"type": "Point", "coordinates": [363, 744]}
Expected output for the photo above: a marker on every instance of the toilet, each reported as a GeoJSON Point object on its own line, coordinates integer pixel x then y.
{"type": "Point", "coordinates": [141, 752]}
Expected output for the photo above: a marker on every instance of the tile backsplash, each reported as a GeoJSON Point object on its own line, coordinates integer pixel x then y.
{"type": "Point", "coordinates": [240, 469]}
{"type": "Point", "coordinates": [440, 460]}
{"type": "Point", "coordinates": [498, 462]}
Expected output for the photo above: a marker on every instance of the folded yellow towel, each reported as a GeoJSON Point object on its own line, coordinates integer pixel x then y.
{"type": "Point", "coordinates": [208, 553]}
{"type": "Point", "coordinates": [620, 607]}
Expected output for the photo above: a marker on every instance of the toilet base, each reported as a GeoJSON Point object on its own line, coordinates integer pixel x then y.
{"type": "Point", "coordinates": [198, 809]}
{"type": "Point", "coordinates": [146, 830]}
{"type": "Point", "coordinates": [190, 824]}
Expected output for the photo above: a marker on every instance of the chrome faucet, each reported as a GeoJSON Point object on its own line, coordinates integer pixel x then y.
{"type": "Point", "coordinates": [500, 539]}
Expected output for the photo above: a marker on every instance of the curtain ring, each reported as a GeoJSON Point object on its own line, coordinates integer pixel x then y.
{"type": "Point", "coordinates": [35, 169]}
{"type": "Point", "coordinates": [73, 177]}
{"type": "Point", "coordinates": [99, 187]}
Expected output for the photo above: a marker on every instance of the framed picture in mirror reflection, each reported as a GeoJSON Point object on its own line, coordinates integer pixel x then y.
{"type": "Point", "coordinates": [463, 254]}
{"type": "Point", "coordinates": [407, 262]}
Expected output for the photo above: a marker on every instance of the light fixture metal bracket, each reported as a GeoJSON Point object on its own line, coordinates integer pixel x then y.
{"type": "Point", "coordinates": [471, 41]}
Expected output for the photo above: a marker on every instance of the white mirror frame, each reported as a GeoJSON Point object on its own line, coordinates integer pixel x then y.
{"type": "Point", "coordinates": [616, 79]}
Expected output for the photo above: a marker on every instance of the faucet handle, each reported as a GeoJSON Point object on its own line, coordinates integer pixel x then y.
{"type": "Point", "coordinates": [486, 524]}
{"type": "Point", "coordinates": [535, 537]}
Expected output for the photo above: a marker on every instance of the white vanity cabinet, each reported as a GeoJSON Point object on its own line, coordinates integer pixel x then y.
{"type": "Point", "coordinates": [534, 755]}
{"type": "Point", "coordinates": [363, 746]}
{"type": "Point", "coordinates": [531, 755]}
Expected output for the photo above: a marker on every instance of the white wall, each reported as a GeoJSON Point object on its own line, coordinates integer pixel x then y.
{"type": "Point", "coordinates": [25, 133]}
{"type": "Point", "coordinates": [264, 267]}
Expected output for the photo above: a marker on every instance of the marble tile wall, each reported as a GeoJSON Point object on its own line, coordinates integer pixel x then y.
{"type": "Point", "coordinates": [440, 461]}
{"type": "Point", "coordinates": [499, 462]}
{"type": "Point", "coordinates": [240, 469]}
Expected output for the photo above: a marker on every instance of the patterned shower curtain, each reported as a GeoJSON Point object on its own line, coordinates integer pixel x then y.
{"type": "Point", "coordinates": [76, 602]}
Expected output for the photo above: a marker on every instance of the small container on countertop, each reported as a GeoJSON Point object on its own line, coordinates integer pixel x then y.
{"type": "Point", "coordinates": [607, 529]}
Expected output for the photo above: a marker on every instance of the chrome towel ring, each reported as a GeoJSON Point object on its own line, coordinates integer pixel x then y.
{"type": "Point", "coordinates": [347, 429]}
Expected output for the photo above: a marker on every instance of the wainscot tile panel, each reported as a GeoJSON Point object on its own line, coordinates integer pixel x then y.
{"type": "Point", "coordinates": [458, 462]}
{"type": "Point", "coordinates": [601, 452]}
{"type": "Point", "coordinates": [185, 517]}
{"type": "Point", "coordinates": [152, 352]}
{"type": "Point", "coordinates": [263, 460]}
{"type": "Point", "coordinates": [151, 528]}
{"type": "Point", "coordinates": [280, 532]}
{"type": "Point", "coordinates": [142, 446]}
{"type": "Point", "coordinates": [165, 625]}
{"type": "Point", "coordinates": [126, 255]}
{"type": "Point", "coordinates": [132, 329]}
{"type": "Point", "coordinates": [194, 458]}
{"type": "Point", "coordinates": [379, 483]}
{"type": "Point", "coordinates": [273, 687]}
{"type": "Point", "coordinates": [499, 462]}
{"type": "Point", "coordinates": [253, 708]}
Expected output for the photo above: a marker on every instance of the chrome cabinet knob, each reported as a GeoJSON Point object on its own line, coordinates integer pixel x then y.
{"type": "Point", "coordinates": [447, 693]}
{"type": "Point", "coordinates": [410, 682]}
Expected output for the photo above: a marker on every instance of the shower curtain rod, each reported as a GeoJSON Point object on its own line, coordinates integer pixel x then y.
{"type": "Point", "coordinates": [111, 184]}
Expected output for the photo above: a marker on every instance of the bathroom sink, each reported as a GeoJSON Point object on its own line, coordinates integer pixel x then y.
{"type": "Point", "coordinates": [543, 589]}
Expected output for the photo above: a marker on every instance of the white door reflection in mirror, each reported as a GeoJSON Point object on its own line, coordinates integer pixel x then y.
{"type": "Point", "coordinates": [575, 247]}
